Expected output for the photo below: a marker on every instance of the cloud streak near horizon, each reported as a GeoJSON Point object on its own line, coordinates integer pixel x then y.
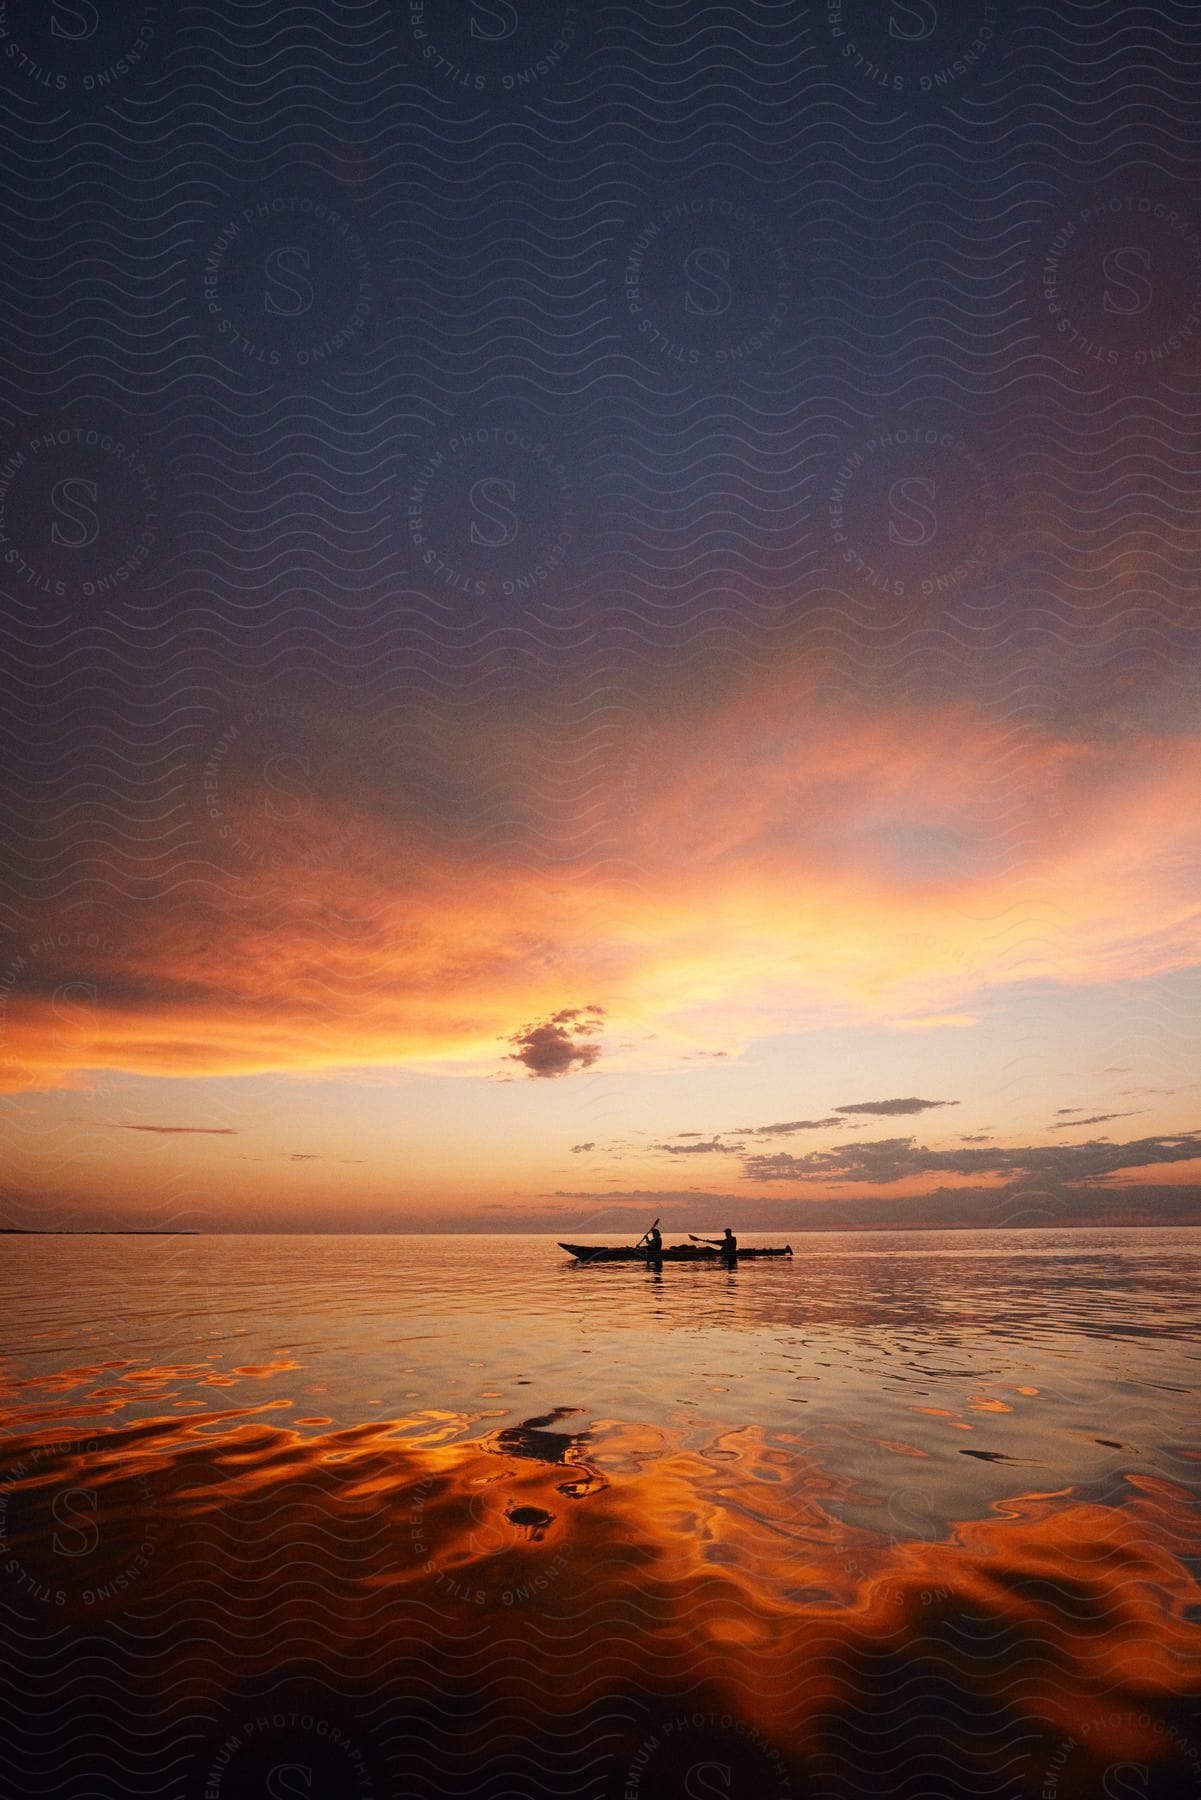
{"type": "Point", "coordinates": [182, 1130]}
{"type": "Point", "coordinates": [889, 1161]}
{"type": "Point", "coordinates": [894, 1108]}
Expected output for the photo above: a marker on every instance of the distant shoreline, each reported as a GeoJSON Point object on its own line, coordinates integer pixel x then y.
{"type": "Point", "coordinates": [774, 1231]}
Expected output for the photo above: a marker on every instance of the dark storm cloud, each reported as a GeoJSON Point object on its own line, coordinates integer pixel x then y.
{"type": "Point", "coordinates": [894, 1108]}
{"type": "Point", "coordinates": [555, 1047]}
{"type": "Point", "coordinates": [887, 1160]}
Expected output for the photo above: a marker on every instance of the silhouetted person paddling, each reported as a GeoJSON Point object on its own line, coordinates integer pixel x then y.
{"type": "Point", "coordinates": [728, 1245]}
{"type": "Point", "coordinates": [654, 1246]}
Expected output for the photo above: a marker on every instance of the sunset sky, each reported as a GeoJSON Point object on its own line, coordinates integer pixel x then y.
{"type": "Point", "coordinates": [794, 944]}
{"type": "Point", "coordinates": [676, 696]}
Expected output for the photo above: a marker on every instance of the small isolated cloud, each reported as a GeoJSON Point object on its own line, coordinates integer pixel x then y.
{"type": "Point", "coordinates": [302, 1156]}
{"type": "Point", "coordinates": [559, 1044]}
{"type": "Point", "coordinates": [1096, 1119]}
{"type": "Point", "coordinates": [578, 1149]}
{"type": "Point", "coordinates": [1061, 1112]}
{"type": "Point", "coordinates": [981, 1137]}
{"type": "Point", "coordinates": [894, 1108]}
{"type": "Point", "coordinates": [182, 1130]}
{"type": "Point", "coordinates": [706, 1148]}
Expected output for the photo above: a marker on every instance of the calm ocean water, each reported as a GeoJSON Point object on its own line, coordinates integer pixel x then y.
{"type": "Point", "coordinates": [911, 1514]}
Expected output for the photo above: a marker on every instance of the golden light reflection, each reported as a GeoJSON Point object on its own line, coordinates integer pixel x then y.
{"type": "Point", "coordinates": [635, 1565]}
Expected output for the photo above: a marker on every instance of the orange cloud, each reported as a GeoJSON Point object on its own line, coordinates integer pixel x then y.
{"type": "Point", "coordinates": [789, 861]}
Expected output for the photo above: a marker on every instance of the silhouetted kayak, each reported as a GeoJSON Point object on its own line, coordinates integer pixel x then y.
{"type": "Point", "coordinates": [686, 1253]}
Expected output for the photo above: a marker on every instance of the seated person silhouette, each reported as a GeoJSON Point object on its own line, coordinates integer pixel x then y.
{"type": "Point", "coordinates": [728, 1245]}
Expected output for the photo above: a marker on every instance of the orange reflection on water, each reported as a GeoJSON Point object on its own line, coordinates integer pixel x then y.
{"type": "Point", "coordinates": [536, 1574]}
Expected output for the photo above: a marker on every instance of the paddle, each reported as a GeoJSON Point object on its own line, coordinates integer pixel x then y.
{"type": "Point", "coordinates": [641, 1240]}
